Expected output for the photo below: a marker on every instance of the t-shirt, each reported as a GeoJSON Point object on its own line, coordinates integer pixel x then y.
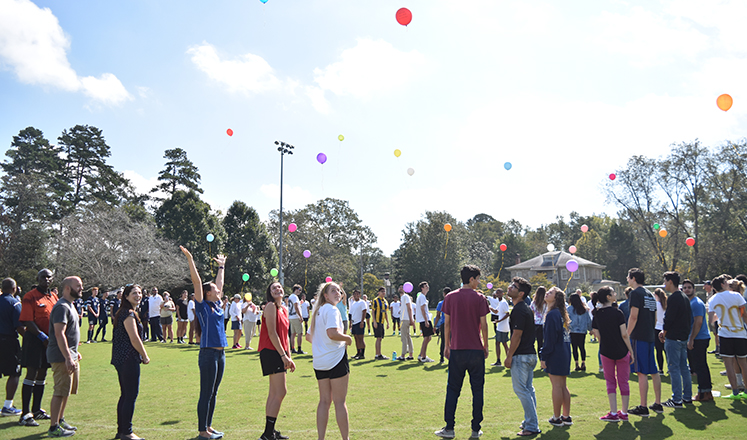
{"type": "Point", "coordinates": [292, 300]}
{"type": "Point", "coordinates": [503, 326]}
{"type": "Point", "coordinates": [379, 306]}
{"type": "Point", "coordinates": [326, 352]}
{"type": "Point", "coordinates": [144, 308]}
{"type": "Point", "coordinates": [465, 308]}
{"type": "Point", "coordinates": [37, 306]}
{"type": "Point", "coordinates": [63, 313]}
{"type": "Point", "coordinates": [678, 318]}
{"type": "Point", "coordinates": [522, 319]}
{"type": "Point", "coordinates": [405, 300]}
{"type": "Point", "coordinates": [539, 313]}
{"type": "Point", "coordinates": [660, 312]}
{"type": "Point", "coordinates": [10, 312]}
{"type": "Point", "coordinates": [343, 311]}
{"type": "Point", "coordinates": [625, 308]}
{"type": "Point", "coordinates": [114, 304]}
{"type": "Point", "coordinates": [191, 310]}
{"type": "Point", "coordinates": [646, 304]}
{"type": "Point", "coordinates": [210, 316]}
{"type": "Point", "coordinates": [182, 305]}
{"type": "Point", "coordinates": [726, 305]}
{"type": "Point", "coordinates": [304, 309]}
{"type": "Point", "coordinates": [419, 303]}
{"type": "Point", "coordinates": [395, 307]}
{"type": "Point", "coordinates": [235, 311]}
{"type": "Point", "coordinates": [493, 304]}
{"type": "Point", "coordinates": [154, 305]}
{"type": "Point", "coordinates": [607, 321]}
{"type": "Point", "coordinates": [92, 306]}
{"type": "Point", "coordinates": [699, 309]}
{"type": "Point", "coordinates": [442, 317]}
{"type": "Point", "coordinates": [166, 310]}
{"type": "Point", "coordinates": [358, 311]}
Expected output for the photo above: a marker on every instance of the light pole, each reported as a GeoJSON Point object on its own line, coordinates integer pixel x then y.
{"type": "Point", "coordinates": [283, 148]}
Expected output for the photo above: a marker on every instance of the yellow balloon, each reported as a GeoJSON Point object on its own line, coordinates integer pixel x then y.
{"type": "Point", "coordinates": [341, 138]}
{"type": "Point", "coordinates": [397, 153]}
{"type": "Point", "coordinates": [248, 297]}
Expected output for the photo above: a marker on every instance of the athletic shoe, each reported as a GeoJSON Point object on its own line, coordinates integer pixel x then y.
{"type": "Point", "coordinates": [567, 421]}
{"type": "Point", "coordinates": [639, 410]}
{"type": "Point", "coordinates": [279, 436]}
{"type": "Point", "coordinates": [217, 434]}
{"type": "Point", "coordinates": [59, 431]}
{"type": "Point", "coordinates": [264, 437]}
{"type": "Point", "coordinates": [556, 422]}
{"type": "Point", "coordinates": [610, 417]}
{"type": "Point", "coordinates": [393, 333]}
{"type": "Point", "coordinates": [401, 358]}
{"type": "Point", "coordinates": [731, 396]}
{"type": "Point", "coordinates": [687, 401]}
{"type": "Point", "coordinates": [27, 420]}
{"type": "Point", "coordinates": [743, 395]}
{"type": "Point", "coordinates": [445, 433]}
{"type": "Point", "coordinates": [299, 351]}
{"type": "Point", "coordinates": [425, 360]}
{"type": "Point", "coordinates": [476, 434]}
{"type": "Point", "coordinates": [713, 352]}
{"type": "Point", "coordinates": [381, 357]}
{"type": "Point", "coordinates": [622, 416]}
{"type": "Point", "coordinates": [88, 342]}
{"type": "Point", "coordinates": [657, 408]}
{"type": "Point", "coordinates": [497, 364]}
{"type": "Point", "coordinates": [104, 340]}
{"type": "Point", "coordinates": [670, 404]}
{"type": "Point", "coordinates": [67, 426]}
{"type": "Point", "coordinates": [41, 415]}
{"type": "Point", "coordinates": [12, 411]}
{"type": "Point", "coordinates": [410, 358]}
{"type": "Point", "coordinates": [723, 373]}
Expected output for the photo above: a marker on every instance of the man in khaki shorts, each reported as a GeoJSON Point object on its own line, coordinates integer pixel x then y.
{"type": "Point", "coordinates": [62, 354]}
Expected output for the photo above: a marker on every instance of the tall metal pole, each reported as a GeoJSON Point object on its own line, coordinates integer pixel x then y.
{"type": "Point", "coordinates": [280, 251]}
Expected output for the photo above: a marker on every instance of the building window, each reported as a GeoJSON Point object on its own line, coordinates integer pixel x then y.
{"type": "Point", "coordinates": [563, 274]}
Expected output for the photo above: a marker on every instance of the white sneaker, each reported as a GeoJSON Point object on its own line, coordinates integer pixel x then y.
{"type": "Point", "coordinates": [425, 359]}
{"type": "Point", "coordinates": [476, 434]}
{"type": "Point", "coordinates": [445, 433]}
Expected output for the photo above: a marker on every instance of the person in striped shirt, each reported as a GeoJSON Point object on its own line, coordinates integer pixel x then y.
{"type": "Point", "coordinates": [379, 307]}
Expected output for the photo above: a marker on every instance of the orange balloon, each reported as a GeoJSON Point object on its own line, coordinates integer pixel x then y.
{"type": "Point", "coordinates": [662, 233]}
{"type": "Point", "coordinates": [724, 102]}
{"type": "Point", "coordinates": [447, 227]}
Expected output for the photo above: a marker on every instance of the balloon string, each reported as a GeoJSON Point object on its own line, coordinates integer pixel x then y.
{"type": "Point", "coordinates": [658, 249]}
{"type": "Point", "coordinates": [447, 244]}
{"type": "Point", "coordinates": [210, 258]}
{"type": "Point", "coordinates": [499, 270]}
{"type": "Point", "coordinates": [570, 276]}
{"type": "Point", "coordinates": [305, 279]}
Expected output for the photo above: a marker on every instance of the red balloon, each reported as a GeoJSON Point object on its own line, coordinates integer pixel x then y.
{"type": "Point", "coordinates": [613, 176]}
{"type": "Point", "coordinates": [690, 241]}
{"type": "Point", "coordinates": [229, 132]}
{"type": "Point", "coordinates": [503, 247]}
{"type": "Point", "coordinates": [404, 16]}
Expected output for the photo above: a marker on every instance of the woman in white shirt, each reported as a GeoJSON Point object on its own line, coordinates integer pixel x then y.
{"type": "Point", "coordinates": [661, 309]}
{"type": "Point", "coordinates": [235, 313]}
{"type": "Point", "coordinates": [330, 360]}
{"type": "Point", "coordinates": [249, 309]}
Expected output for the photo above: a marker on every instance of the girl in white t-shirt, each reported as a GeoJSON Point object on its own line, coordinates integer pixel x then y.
{"type": "Point", "coordinates": [330, 360]}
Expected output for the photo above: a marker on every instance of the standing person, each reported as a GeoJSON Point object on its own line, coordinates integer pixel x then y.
{"type": "Point", "coordinates": [79, 305]}
{"type": "Point", "coordinates": [36, 307]}
{"type": "Point", "coordinates": [440, 322]}
{"type": "Point", "coordinates": [580, 325]}
{"type": "Point", "coordinates": [235, 312]}
{"type": "Point", "coordinates": [625, 305]}
{"type": "Point", "coordinates": [641, 332]}
{"type": "Point", "coordinates": [729, 308]}
{"type": "Point", "coordinates": [423, 317]}
{"type": "Point", "coordinates": [713, 322]}
{"type": "Point", "coordinates": [144, 319]}
{"type": "Point", "coordinates": [661, 308]}
{"type": "Point", "coordinates": [167, 318]}
{"type": "Point", "coordinates": [249, 311]}
{"type": "Point", "coordinates": [341, 306]}
{"type": "Point", "coordinates": [328, 342]}
{"type": "Point", "coordinates": [408, 320]}
{"type": "Point", "coordinates": [539, 308]}
{"type": "Point", "coordinates": [521, 357]}
{"type": "Point", "coordinates": [212, 357]}
{"type": "Point", "coordinates": [274, 356]}
{"type": "Point", "coordinates": [556, 355]}
{"type": "Point", "coordinates": [379, 307]}
{"type": "Point", "coordinates": [193, 324]}
{"type": "Point", "coordinates": [93, 306]}
{"type": "Point", "coordinates": [114, 303]}
{"type": "Point", "coordinates": [698, 342]}
{"type": "Point", "coordinates": [502, 327]}
{"type": "Point", "coordinates": [182, 317]}
{"type": "Point", "coordinates": [103, 317]}
{"type": "Point", "coordinates": [154, 315]}
{"type": "Point", "coordinates": [616, 351]}
{"type": "Point", "coordinates": [10, 328]}
{"type": "Point", "coordinates": [128, 352]}
{"type": "Point", "coordinates": [294, 317]}
{"type": "Point", "coordinates": [493, 304]}
{"type": "Point", "coordinates": [675, 334]}
{"type": "Point", "coordinates": [358, 311]}
{"type": "Point", "coordinates": [467, 347]}
{"type": "Point", "coordinates": [305, 312]}
{"type": "Point", "coordinates": [395, 310]}
{"type": "Point", "coordinates": [62, 354]}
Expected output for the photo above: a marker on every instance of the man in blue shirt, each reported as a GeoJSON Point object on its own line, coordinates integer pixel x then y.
{"type": "Point", "coordinates": [698, 344]}
{"type": "Point", "coordinates": [92, 306]}
{"type": "Point", "coordinates": [10, 328]}
{"type": "Point", "coordinates": [440, 319]}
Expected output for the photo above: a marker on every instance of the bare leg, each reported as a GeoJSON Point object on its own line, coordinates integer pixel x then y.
{"type": "Point", "coordinates": [57, 409]}
{"type": "Point", "coordinates": [276, 394]}
{"type": "Point", "coordinates": [643, 388]}
{"type": "Point", "coordinates": [656, 379]}
{"type": "Point", "coordinates": [613, 402]}
{"type": "Point", "coordinates": [339, 394]}
{"type": "Point", "coordinates": [322, 410]}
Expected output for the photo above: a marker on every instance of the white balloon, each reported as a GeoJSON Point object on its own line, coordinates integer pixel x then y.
{"type": "Point", "coordinates": [550, 247]}
{"type": "Point", "coordinates": [410, 171]}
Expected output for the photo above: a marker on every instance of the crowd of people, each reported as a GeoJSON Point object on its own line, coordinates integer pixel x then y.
{"type": "Point", "coordinates": [545, 327]}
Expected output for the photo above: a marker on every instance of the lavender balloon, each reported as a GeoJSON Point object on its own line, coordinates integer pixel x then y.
{"type": "Point", "coordinates": [572, 265]}
{"type": "Point", "coordinates": [306, 253]}
{"type": "Point", "coordinates": [407, 287]}
{"type": "Point", "coordinates": [321, 158]}
{"type": "Point", "coordinates": [490, 285]}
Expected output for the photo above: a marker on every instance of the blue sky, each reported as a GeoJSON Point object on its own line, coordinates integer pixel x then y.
{"type": "Point", "coordinates": [565, 91]}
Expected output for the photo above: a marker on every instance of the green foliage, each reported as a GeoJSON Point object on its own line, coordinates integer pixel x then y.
{"type": "Point", "coordinates": [179, 173]}
{"type": "Point", "coordinates": [371, 285]}
{"type": "Point", "coordinates": [540, 279]}
{"type": "Point", "coordinates": [248, 249]}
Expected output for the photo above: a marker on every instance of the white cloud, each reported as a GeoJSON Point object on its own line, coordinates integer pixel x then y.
{"type": "Point", "coordinates": [318, 101]}
{"type": "Point", "coordinates": [34, 46]}
{"type": "Point", "coordinates": [247, 73]}
{"type": "Point", "coordinates": [294, 197]}
{"type": "Point", "coordinates": [369, 68]}
{"type": "Point", "coordinates": [724, 18]}
{"type": "Point", "coordinates": [142, 184]}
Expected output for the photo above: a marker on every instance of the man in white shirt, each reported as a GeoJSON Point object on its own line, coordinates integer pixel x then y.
{"type": "Point", "coordinates": [294, 317]}
{"type": "Point", "coordinates": [191, 318]}
{"type": "Point", "coordinates": [305, 312]}
{"type": "Point", "coordinates": [407, 313]}
{"type": "Point", "coordinates": [729, 309]}
{"type": "Point", "coordinates": [502, 327]}
{"type": "Point", "coordinates": [493, 305]}
{"type": "Point", "coordinates": [358, 311]}
{"type": "Point", "coordinates": [394, 309]}
{"type": "Point", "coordinates": [423, 316]}
{"type": "Point", "coordinates": [154, 315]}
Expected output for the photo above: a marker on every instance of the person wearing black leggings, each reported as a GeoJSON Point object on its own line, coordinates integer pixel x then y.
{"type": "Point", "coordinates": [580, 325]}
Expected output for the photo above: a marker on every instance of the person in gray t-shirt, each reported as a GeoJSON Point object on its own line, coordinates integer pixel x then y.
{"type": "Point", "coordinates": [62, 353]}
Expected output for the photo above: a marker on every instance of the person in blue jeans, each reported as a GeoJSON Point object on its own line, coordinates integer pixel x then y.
{"type": "Point", "coordinates": [677, 325]}
{"type": "Point", "coordinates": [521, 357]}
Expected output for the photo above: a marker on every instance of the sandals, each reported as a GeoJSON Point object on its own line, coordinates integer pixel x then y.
{"type": "Point", "coordinates": [525, 433]}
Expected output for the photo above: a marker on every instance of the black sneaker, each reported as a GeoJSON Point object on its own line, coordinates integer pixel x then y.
{"type": "Point", "coordinates": [41, 415]}
{"type": "Point", "coordinates": [670, 404]}
{"type": "Point", "coordinates": [556, 422]}
{"type": "Point", "coordinates": [657, 408]}
{"type": "Point", "coordinates": [299, 351]}
{"type": "Point", "coordinates": [279, 436]}
{"type": "Point", "coordinates": [639, 410]}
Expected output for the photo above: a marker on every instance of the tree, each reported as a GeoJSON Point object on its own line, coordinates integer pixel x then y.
{"type": "Point", "coordinates": [179, 173]}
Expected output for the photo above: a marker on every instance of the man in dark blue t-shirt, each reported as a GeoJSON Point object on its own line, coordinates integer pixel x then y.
{"type": "Point", "coordinates": [93, 308]}
{"type": "Point", "coordinates": [677, 325]}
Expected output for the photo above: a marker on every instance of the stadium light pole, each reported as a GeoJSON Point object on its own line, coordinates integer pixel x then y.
{"type": "Point", "coordinates": [283, 148]}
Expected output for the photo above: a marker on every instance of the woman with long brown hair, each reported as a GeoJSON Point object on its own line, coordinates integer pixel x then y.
{"type": "Point", "coordinates": [556, 355]}
{"type": "Point", "coordinates": [661, 308]}
{"type": "Point", "coordinates": [539, 308]}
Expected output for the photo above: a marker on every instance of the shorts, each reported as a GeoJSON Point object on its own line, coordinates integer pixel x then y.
{"type": "Point", "coordinates": [65, 383]}
{"type": "Point", "coordinates": [356, 329]}
{"type": "Point", "coordinates": [342, 369]}
{"type": "Point", "coordinates": [10, 361]}
{"type": "Point", "coordinates": [182, 320]}
{"type": "Point", "coordinates": [33, 353]}
{"type": "Point", "coordinates": [395, 320]}
{"type": "Point", "coordinates": [104, 320]}
{"type": "Point", "coordinates": [92, 320]}
{"type": "Point", "coordinates": [167, 320]}
{"type": "Point", "coordinates": [733, 347]}
{"type": "Point", "coordinates": [296, 327]}
{"type": "Point", "coordinates": [644, 357]}
{"type": "Point", "coordinates": [235, 325]}
{"type": "Point", "coordinates": [368, 315]}
{"type": "Point", "coordinates": [427, 330]}
{"type": "Point", "coordinates": [494, 318]}
{"type": "Point", "coordinates": [379, 330]}
{"type": "Point", "coordinates": [271, 362]}
{"type": "Point", "coordinates": [501, 336]}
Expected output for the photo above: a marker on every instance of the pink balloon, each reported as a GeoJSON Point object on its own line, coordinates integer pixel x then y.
{"type": "Point", "coordinates": [306, 253]}
{"type": "Point", "coordinates": [407, 287]}
{"type": "Point", "coordinates": [328, 279]}
{"type": "Point", "coordinates": [572, 249]}
{"type": "Point", "coordinates": [613, 176]}
{"type": "Point", "coordinates": [584, 228]}
{"type": "Point", "coordinates": [292, 227]}
{"type": "Point", "coordinates": [490, 285]}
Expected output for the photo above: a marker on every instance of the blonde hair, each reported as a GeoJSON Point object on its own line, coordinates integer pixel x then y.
{"type": "Point", "coordinates": [320, 301]}
{"type": "Point", "coordinates": [736, 285]}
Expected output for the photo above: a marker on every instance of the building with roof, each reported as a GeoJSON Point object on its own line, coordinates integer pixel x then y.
{"type": "Point", "coordinates": [552, 264]}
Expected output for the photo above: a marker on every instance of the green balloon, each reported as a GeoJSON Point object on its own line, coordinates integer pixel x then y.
{"type": "Point", "coordinates": [274, 272]}
{"type": "Point", "coordinates": [245, 277]}
{"type": "Point", "coordinates": [656, 226]}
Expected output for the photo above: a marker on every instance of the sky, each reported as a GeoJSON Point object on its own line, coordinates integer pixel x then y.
{"type": "Point", "coordinates": [566, 92]}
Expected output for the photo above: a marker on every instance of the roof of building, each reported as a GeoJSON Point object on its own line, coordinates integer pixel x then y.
{"type": "Point", "coordinates": [553, 260]}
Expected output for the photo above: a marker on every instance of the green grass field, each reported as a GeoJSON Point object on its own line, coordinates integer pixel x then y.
{"type": "Point", "coordinates": [386, 400]}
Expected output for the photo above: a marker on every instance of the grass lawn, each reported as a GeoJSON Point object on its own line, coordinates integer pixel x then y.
{"type": "Point", "coordinates": [386, 400]}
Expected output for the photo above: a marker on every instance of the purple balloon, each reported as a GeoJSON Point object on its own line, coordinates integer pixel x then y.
{"type": "Point", "coordinates": [306, 253]}
{"type": "Point", "coordinates": [490, 285]}
{"type": "Point", "coordinates": [571, 265]}
{"type": "Point", "coordinates": [321, 158]}
{"type": "Point", "coordinates": [407, 287]}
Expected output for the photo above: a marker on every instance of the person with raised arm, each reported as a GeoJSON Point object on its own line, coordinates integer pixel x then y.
{"type": "Point", "coordinates": [212, 358]}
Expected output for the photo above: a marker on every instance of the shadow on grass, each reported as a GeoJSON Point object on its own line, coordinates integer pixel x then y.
{"type": "Point", "coordinates": [698, 418]}
{"type": "Point", "coordinates": [653, 427]}
{"type": "Point", "coordinates": [617, 430]}
{"type": "Point", "coordinates": [407, 366]}
{"type": "Point", "coordinates": [436, 367]}
{"type": "Point", "coordinates": [556, 432]}
{"type": "Point", "coordinates": [170, 422]}
{"type": "Point", "coordinates": [739, 408]}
